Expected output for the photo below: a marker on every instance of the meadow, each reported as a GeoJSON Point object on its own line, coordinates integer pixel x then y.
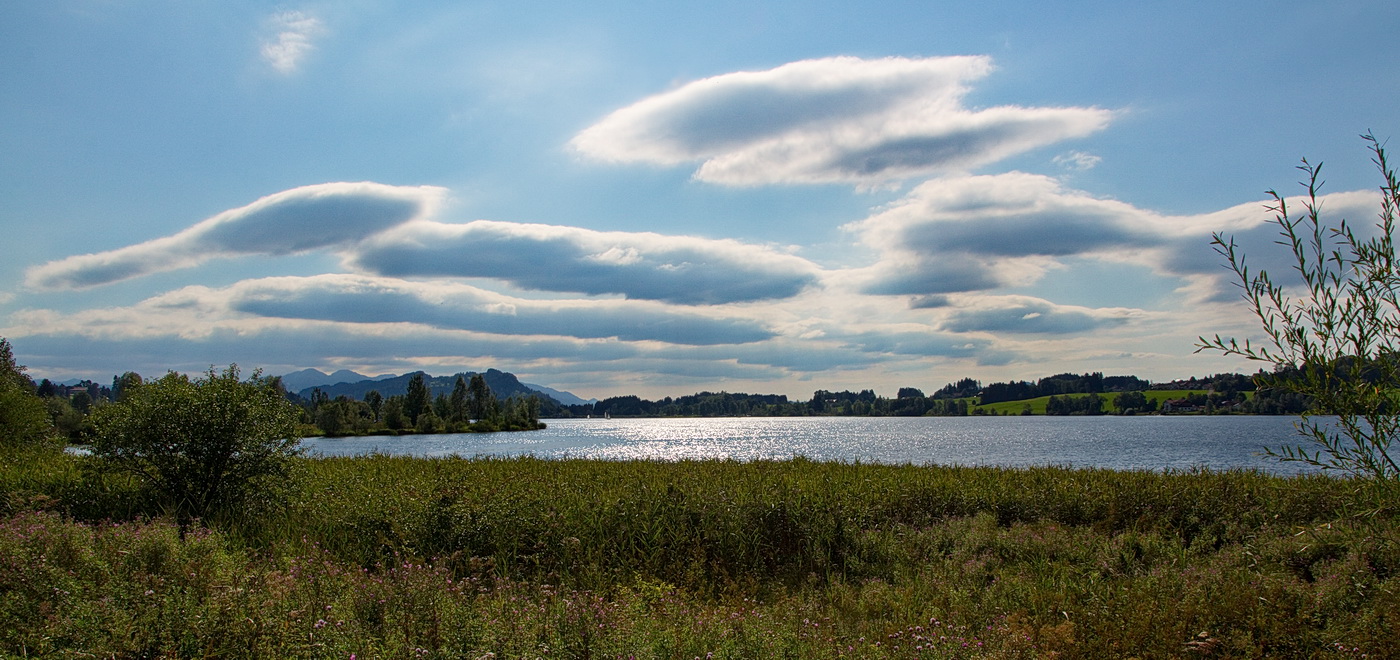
{"type": "Point", "coordinates": [1037, 404]}
{"type": "Point", "coordinates": [400, 557]}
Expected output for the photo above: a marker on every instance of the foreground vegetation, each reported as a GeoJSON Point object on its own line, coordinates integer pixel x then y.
{"type": "Point", "coordinates": [400, 557]}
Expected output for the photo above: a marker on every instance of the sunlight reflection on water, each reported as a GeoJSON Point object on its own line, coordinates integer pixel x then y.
{"type": "Point", "coordinates": [1149, 443]}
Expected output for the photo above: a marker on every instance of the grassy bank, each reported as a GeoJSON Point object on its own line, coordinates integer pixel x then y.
{"type": "Point", "coordinates": [401, 557]}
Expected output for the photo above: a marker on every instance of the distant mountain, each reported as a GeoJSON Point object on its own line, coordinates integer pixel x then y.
{"type": "Point", "coordinates": [502, 384]}
{"type": "Point", "coordinates": [566, 398]}
{"type": "Point", "coordinates": [309, 378]}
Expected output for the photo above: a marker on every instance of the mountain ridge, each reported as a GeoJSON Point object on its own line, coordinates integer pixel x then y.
{"type": "Point", "coordinates": [297, 381]}
{"type": "Point", "coordinates": [503, 385]}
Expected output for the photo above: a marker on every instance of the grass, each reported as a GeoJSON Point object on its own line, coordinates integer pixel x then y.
{"type": "Point", "coordinates": [1037, 405]}
{"type": "Point", "coordinates": [404, 557]}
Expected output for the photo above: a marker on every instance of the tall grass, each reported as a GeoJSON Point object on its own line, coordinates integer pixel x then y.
{"type": "Point", "coordinates": [404, 557]}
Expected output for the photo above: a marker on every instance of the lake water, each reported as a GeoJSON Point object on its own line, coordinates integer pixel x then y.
{"type": "Point", "coordinates": [1125, 443]}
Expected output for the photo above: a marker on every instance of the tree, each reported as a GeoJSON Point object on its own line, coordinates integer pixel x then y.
{"type": "Point", "coordinates": [375, 400]}
{"type": "Point", "coordinates": [394, 417]}
{"type": "Point", "coordinates": [481, 402]}
{"type": "Point", "coordinates": [202, 445]}
{"type": "Point", "coordinates": [1335, 342]}
{"type": "Point", "coordinates": [441, 407]}
{"type": "Point", "coordinates": [67, 421]}
{"type": "Point", "coordinates": [429, 422]}
{"type": "Point", "coordinates": [458, 402]}
{"type": "Point", "coordinates": [417, 399]}
{"type": "Point", "coordinates": [24, 419]}
{"type": "Point", "coordinates": [124, 384]}
{"type": "Point", "coordinates": [1128, 403]}
{"type": "Point", "coordinates": [82, 401]}
{"type": "Point", "coordinates": [342, 416]}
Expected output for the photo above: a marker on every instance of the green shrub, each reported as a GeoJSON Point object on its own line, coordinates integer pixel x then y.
{"type": "Point", "coordinates": [204, 446]}
{"type": "Point", "coordinates": [1333, 343]}
{"type": "Point", "coordinates": [24, 420]}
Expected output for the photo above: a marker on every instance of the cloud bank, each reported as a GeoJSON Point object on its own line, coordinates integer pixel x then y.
{"type": "Point", "coordinates": [1027, 315]}
{"type": "Point", "coordinates": [832, 120]}
{"type": "Point", "coordinates": [452, 306]}
{"type": "Point", "coordinates": [298, 220]}
{"type": "Point", "coordinates": [385, 230]}
{"type": "Point", "coordinates": [983, 233]}
{"type": "Point", "coordinates": [676, 269]}
{"type": "Point", "coordinates": [986, 232]}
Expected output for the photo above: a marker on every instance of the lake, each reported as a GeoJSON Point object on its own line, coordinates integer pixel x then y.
{"type": "Point", "coordinates": [1123, 443]}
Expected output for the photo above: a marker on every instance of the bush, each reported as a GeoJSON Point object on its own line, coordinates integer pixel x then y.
{"type": "Point", "coordinates": [1334, 342]}
{"type": "Point", "coordinates": [23, 418]}
{"type": "Point", "coordinates": [203, 445]}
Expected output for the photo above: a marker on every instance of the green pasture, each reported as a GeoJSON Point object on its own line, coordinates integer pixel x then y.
{"type": "Point", "coordinates": [1037, 405]}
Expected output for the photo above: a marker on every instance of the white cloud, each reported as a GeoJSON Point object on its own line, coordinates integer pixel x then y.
{"type": "Point", "coordinates": [293, 221]}
{"type": "Point", "coordinates": [357, 321]}
{"type": "Point", "coordinates": [642, 265]}
{"type": "Point", "coordinates": [1183, 249]}
{"type": "Point", "coordinates": [386, 230]}
{"type": "Point", "coordinates": [1077, 161]}
{"type": "Point", "coordinates": [291, 39]}
{"type": "Point", "coordinates": [984, 233]}
{"type": "Point", "coordinates": [196, 313]}
{"type": "Point", "coordinates": [987, 232]}
{"type": "Point", "coordinates": [455, 306]}
{"type": "Point", "coordinates": [833, 120]}
{"type": "Point", "coordinates": [1028, 315]}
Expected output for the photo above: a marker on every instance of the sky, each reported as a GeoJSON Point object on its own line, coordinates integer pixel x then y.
{"type": "Point", "coordinates": [663, 198]}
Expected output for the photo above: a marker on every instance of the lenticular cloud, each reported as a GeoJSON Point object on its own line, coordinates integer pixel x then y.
{"type": "Point", "coordinates": [289, 222]}
{"type": "Point", "coordinates": [455, 306]}
{"type": "Point", "coordinates": [676, 269]}
{"type": "Point", "coordinates": [833, 120]}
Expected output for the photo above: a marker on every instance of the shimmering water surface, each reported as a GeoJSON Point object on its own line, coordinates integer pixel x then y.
{"type": "Point", "coordinates": [1144, 443]}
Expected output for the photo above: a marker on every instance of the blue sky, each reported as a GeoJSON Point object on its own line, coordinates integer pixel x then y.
{"type": "Point", "coordinates": [660, 198]}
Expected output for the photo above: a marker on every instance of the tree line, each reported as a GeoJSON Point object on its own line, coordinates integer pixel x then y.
{"type": "Point", "coordinates": [1071, 394]}
{"type": "Point", "coordinates": [471, 406]}
{"type": "Point", "coordinates": [427, 405]}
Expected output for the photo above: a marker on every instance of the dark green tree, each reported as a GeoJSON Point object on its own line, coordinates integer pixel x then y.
{"type": "Point", "coordinates": [333, 419]}
{"type": "Point", "coordinates": [24, 420]}
{"type": "Point", "coordinates": [429, 422]}
{"type": "Point", "coordinates": [125, 384]}
{"type": "Point", "coordinates": [82, 401]}
{"type": "Point", "coordinates": [417, 400]}
{"type": "Point", "coordinates": [204, 445]}
{"type": "Point", "coordinates": [375, 401]}
{"type": "Point", "coordinates": [394, 417]}
{"type": "Point", "coordinates": [481, 402]}
{"type": "Point", "coordinates": [67, 421]}
{"type": "Point", "coordinates": [318, 399]}
{"type": "Point", "coordinates": [1129, 403]}
{"type": "Point", "coordinates": [458, 411]}
{"type": "Point", "coordinates": [442, 407]}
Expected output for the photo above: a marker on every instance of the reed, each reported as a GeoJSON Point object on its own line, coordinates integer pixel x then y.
{"type": "Point", "coordinates": [407, 557]}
